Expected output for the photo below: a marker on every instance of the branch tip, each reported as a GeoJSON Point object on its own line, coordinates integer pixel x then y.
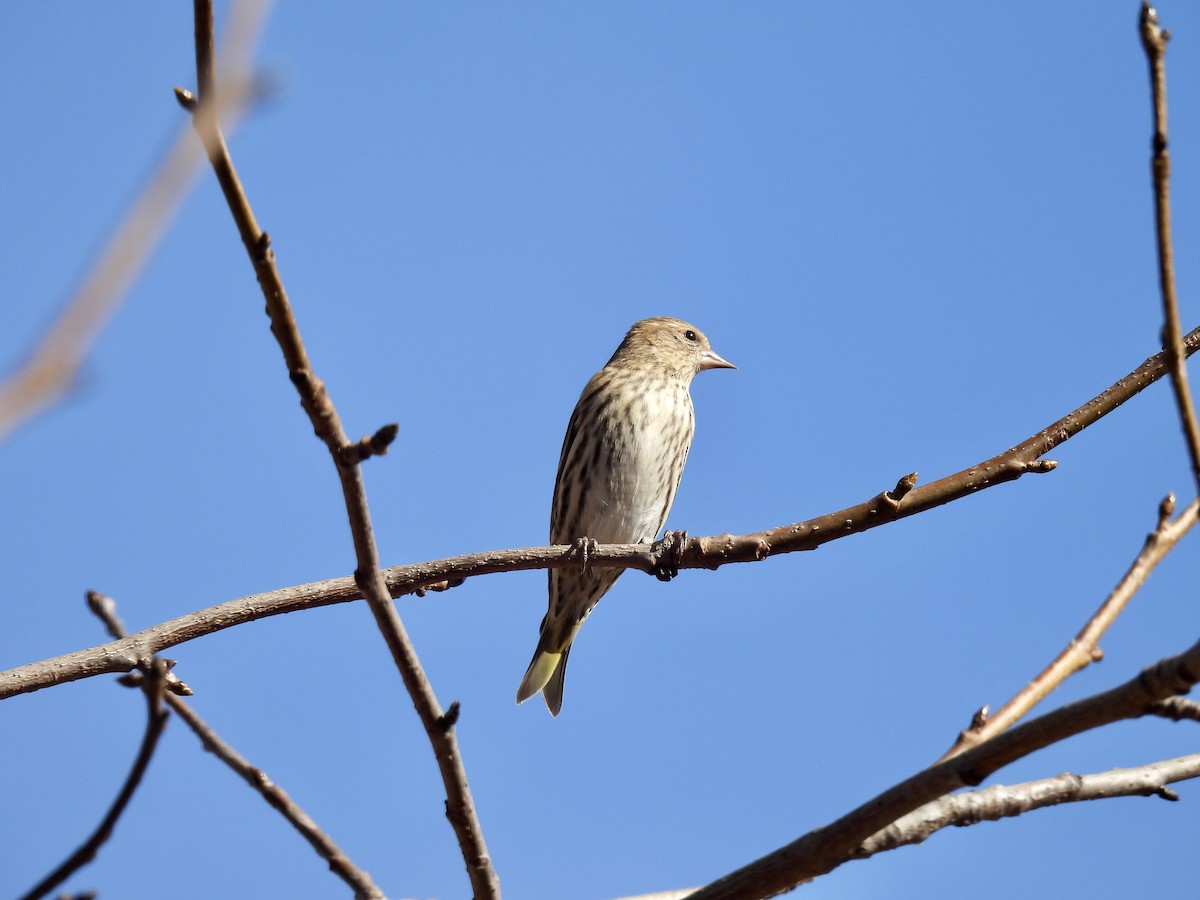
{"type": "Point", "coordinates": [1166, 509]}
{"type": "Point", "coordinates": [903, 486]}
{"type": "Point", "coordinates": [186, 99]}
{"type": "Point", "coordinates": [385, 435]}
{"type": "Point", "coordinates": [1040, 466]}
{"type": "Point", "coordinates": [1152, 34]}
{"type": "Point", "coordinates": [370, 445]}
{"type": "Point", "coordinates": [980, 718]}
{"type": "Point", "coordinates": [1166, 793]}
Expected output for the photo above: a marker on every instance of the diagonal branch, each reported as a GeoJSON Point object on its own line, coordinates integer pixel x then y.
{"type": "Point", "coordinates": [694, 553]}
{"type": "Point", "coordinates": [340, 864]}
{"type": "Point", "coordinates": [1084, 648]}
{"type": "Point", "coordinates": [347, 456]}
{"type": "Point", "coordinates": [52, 367]}
{"type": "Point", "coordinates": [825, 848]}
{"type": "Point", "coordinates": [1004, 801]}
{"type": "Point", "coordinates": [1154, 41]}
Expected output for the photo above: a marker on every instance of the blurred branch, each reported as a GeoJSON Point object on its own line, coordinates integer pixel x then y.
{"type": "Point", "coordinates": [1001, 801]}
{"type": "Point", "coordinates": [825, 848]}
{"type": "Point", "coordinates": [1154, 41]}
{"type": "Point", "coordinates": [347, 456]}
{"type": "Point", "coordinates": [1084, 648]}
{"type": "Point", "coordinates": [55, 362]}
{"type": "Point", "coordinates": [693, 553]}
{"type": "Point", "coordinates": [152, 685]}
{"type": "Point", "coordinates": [52, 367]}
{"type": "Point", "coordinates": [277, 797]}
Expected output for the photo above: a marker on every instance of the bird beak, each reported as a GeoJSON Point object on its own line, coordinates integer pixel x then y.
{"type": "Point", "coordinates": [710, 360]}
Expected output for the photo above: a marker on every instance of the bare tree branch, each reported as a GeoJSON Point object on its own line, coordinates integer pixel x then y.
{"type": "Point", "coordinates": [693, 553]}
{"type": "Point", "coordinates": [1001, 801]}
{"type": "Point", "coordinates": [1154, 41]}
{"type": "Point", "coordinates": [156, 720]}
{"type": "Point", "coordinates": [347, 456]}
{"type": "Point", "coordinates": [340, 864]}
{"type": "Point", "coordinates": [52, 367]}
{"type": "Point", "coordinates": [824, 849]}
{"type": "Point", "coordinates": [1084, 648]}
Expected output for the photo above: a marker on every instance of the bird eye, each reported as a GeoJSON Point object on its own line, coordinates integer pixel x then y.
{"type": "Point", "coordinates": [690, 335]}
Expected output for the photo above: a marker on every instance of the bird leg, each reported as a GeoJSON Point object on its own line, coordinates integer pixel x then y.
{"type": "Point", "coordinates": [668, 551]}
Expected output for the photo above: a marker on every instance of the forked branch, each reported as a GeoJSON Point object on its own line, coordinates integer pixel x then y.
{"type": "Point", "coordinates": [346, 456]}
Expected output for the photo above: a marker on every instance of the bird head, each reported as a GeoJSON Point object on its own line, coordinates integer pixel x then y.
{"type": "Point", "coordinates": [667, 344]}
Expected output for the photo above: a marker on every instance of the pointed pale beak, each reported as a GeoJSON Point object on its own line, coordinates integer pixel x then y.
{"type": "Point", "coordinates": [710, 360]}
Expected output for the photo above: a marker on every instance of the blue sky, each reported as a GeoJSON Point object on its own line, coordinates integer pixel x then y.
{"type": "Point", "coordinates": [922, 232]}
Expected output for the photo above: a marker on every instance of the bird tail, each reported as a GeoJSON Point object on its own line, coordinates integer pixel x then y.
{"type": "Point", "coordinates": [546, 673]}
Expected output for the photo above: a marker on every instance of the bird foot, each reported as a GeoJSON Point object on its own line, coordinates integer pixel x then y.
{"type": "Point", "coordinates": [585, 547]}
{"type": "Point", "coordinates": [668, 551]}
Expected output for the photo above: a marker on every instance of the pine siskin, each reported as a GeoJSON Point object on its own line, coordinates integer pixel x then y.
{"type": "Point", "coordinates": [621, 461]}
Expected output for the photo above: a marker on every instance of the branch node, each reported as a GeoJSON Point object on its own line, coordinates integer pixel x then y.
{"type": "Point", "coordinates": [438, 586]}
{"type": "Point", "coordinates": [898, 493]}
{"type": "Point", "coordinates": [450, 717]}
{"type": "Point", "coordinates": [262, 249]}
{"type": "Point", "coordinates": [1166, 793]}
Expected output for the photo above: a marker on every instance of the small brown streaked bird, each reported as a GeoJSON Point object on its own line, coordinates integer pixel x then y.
{"type": "Point", "coordinates": [621, 461]}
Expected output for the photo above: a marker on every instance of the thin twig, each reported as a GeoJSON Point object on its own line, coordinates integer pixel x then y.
{"type": "Point", "coordinates": [156, 720]}
{"type": "Point", "coordinates": [696, 553]}
{"type": "Point", "coordinates": [277, 797]}
{"type": "Point", "coordinates": [460, 807]}
{"type": "Point", "coordinates": [1084, 648]}
{"type": "Point", "coordinates": [339, 863]}
{"type": "Point", "coordinates": [1154, 41]}
{"type": "Point", "coordinates": [1004, 801]}
{"type": "Point", "coordinates": [825, 848]}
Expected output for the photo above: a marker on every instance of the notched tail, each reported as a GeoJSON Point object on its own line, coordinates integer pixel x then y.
{"type": "Point", "coordinates": [546, 673]}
